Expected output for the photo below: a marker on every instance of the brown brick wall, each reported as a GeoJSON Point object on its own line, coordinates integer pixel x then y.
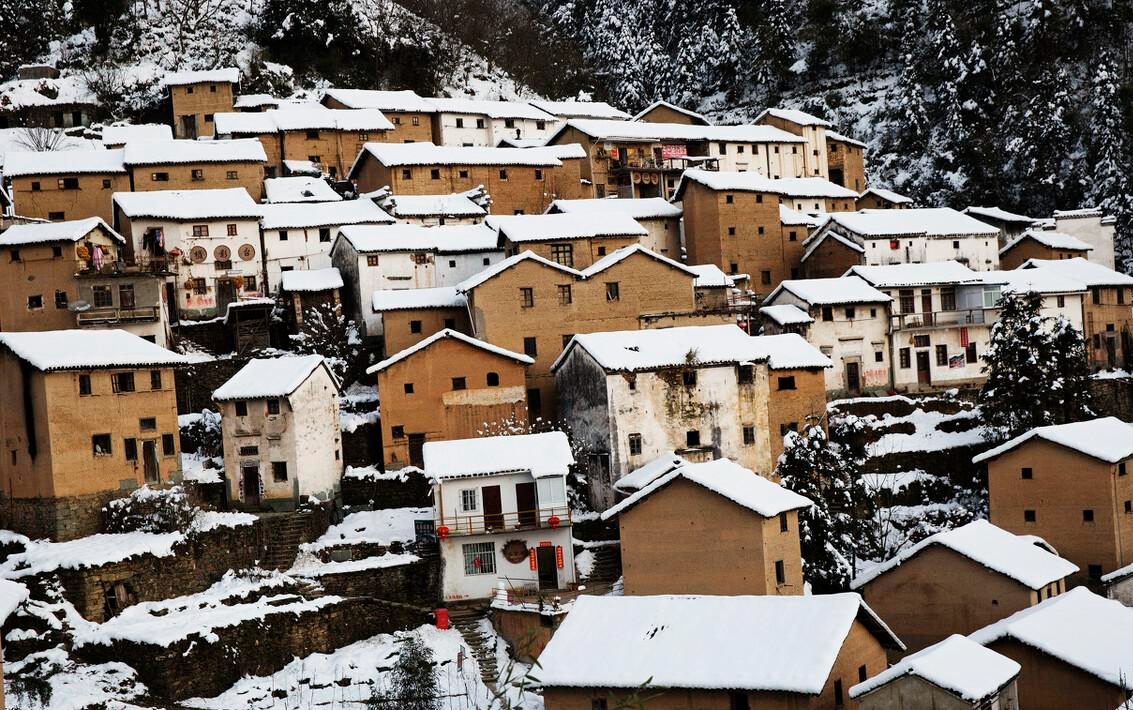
{"type": "Point", "coordinates": [249, 176]}
{"type": "Point", "coordinates": [38, 273]}
{"type": "Point", "coordinates": [850, 159]}
{"type": "Point", "coordinates": [793, 406]}
{"type": "Point", "coordinates": [584, 251]}
{"type": "Point", "coordinates": [398, 330]}
{"type": "Point", "coordinates": [830, 260]}
{"type": "Point", "coordinates": [1046, 683]}
{"type": "Point", "coordinates": [1014, 257]}
{"type": "Point", "coordinates": [1109, 320]}
{"type": "Point", "coordinates": [90, 200]}
{"type": "Point", "coordinates": [201, 102]}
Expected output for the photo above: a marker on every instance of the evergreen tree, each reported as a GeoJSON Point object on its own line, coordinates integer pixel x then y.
{"type": "Point", "coordinates": [1109, 187]}
{"type": "Point", "coordinates": [776, 47]}
{"type": "Point", "coordinates": [326, 331]}
{"type": "Point", "coordinates": [413, 681]}
{"type": "Point", "coordinates": [318, 37]}
{"type": "Point", "coordinates": [1069, 395]}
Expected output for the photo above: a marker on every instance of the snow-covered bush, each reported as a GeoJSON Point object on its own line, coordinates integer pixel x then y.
{"type": "Point", "coordinates": [150, 510]}
{"type": "Point", "coordinates": [202, 434]}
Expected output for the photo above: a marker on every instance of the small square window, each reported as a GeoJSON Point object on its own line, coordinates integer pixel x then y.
{"type": "Point", "coordinates": [459, 383]}
{"type": "Point", "coordinates": [635, 444]}
{"type": "Point", "coordinates": [130, 448]}
{"type": "Point", "coordinates": [538, 174]}
{"type": "Point", "coordinates": [788, 427]}
{"type": "Point", "coordinates": [731, 231]}
{"type": "Point", "coordinates": [503, 174]}
{"type": "Point", "coordinates": [729, 199]}
{"type": "Point", "coordinates": [692, 438]}
{"type": "Point", "coordinates": [198, 174]}
{"type": "Point", "coordinates": [231, 175]}
{"type": "Point", "coordinates": [787, 383]}
{"type": "Point", "coordinates": [84, 385]}
{"type": "Point", "coordinates": [372, 260]}
{"type": "Point", "coordinates": [1094, 571]}
{"type": "Point", "coordinates": [100, 445]}
{"type": "Point", "coordinates": [35, 302]}
{"type": "Point", "coordinates": [414, 326]}
{"type": "Point", "coordinates": [435, 174]}
{"type": "Point", "coordinates": [397, 432]}
{"type": "Point", "coordinates": [565, 295]}
{"type": "Point", "coordinates": [406, 174]}
{"type": "Point", "coordinates": [279, 471]}
{"type": "Point", "coordinates": [1087, 516]}
{"type": "Point", "coordinates": [613, 292]}
{"type": "Point", "coordinates": [273, 406]}
{"type": "Point", "coordinates": [408, 387]}
{"type": "Point", "coordinates": [155, 379]}
{"type": "Point", "coordinates": [147, 424]}
{"type": "Point", "coordinates": [749, 435]}
{"type": "Point", "coordinates": [746, 374]}
{"type": "Point", "coordinates": [688, 378]}
{"type": "Point", "coordinates": [1029, 516]}
{"type": "Point", "coordinates": [1028, 473]}
{"type": "Point", "coordinates": [106, 184]}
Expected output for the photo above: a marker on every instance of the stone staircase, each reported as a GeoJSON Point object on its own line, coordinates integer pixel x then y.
{"type": "Point", "coordinates": [607, 568]}
{"type": "Point", "coordinates": [285, 534]}
{"type": "Point", "coordinates": [466, 619]}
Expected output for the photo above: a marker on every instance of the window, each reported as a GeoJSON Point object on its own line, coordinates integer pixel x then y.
{"type": "Point", "coordinates": [765, 278]}
{"type": "Point", "coordinates": [68, 183]}
{"type": "Point", "coordinates": [408, 387]}
{"type": "Point", "coordinates": [1061, 300]}
{"type": "Point", "coordinates": [731, 231]}
{"type": "Point", "coordinates": [749, 435]}
{"type": "Point", "coordinates": [688, 378]}
{"type": "Point", "coordinates": [230, 175]}
{"type": "Point", "coordinates": [435, 174]}
{"type": "Point", "coordinates": [746, 374]}
{"type": "Point", "coordinates": [787, 383]}
{"type": "Point", "coordinates": [406, 174]}
{"type": "Point", "coordinates": [904, 359]}
{"type": "Point", "coordinates": [468, 499]}
{"type": "Point", "coordinates": [692, 437]}
{"type": "Point", "coordinates": [1121, 469]}
{"type": "Point", "coordinates": [920, 341]}
{"type": "Point", "coordinates": [906, 299]}
{"type": "Point", "coordinates": [123, 381]}
{"type": "Point", "coordinates": [839, 700]}
{"type": "Point", "coordinates": [729, 199]}
{"type": "Point", "coordinates": [130, 448]}
{"type": "Point", "coordinates": [529, 348]}
{"type": "Point", "coordinates": [737, 701]}
{"type": "Point", "coordinates": [147, 424]}
{"type": "Point", "coordinates": [862, 674]}
{"type": "Point", "coordinates": [273, 406]}
{"type": "Point", "coordinates": [538, 174]}
{"type": "Point", "coordinates": [780, 572]}
{"type": "Point", "coordinates": [970, 354]}
{"type": "Point", "coordinates": [783, 526]}
{"type": "Point", "coordinates": [564, 295]}
{"type": "Point", "coordinates": [878, 356]}
{"type": "Point", "coordinates": [249, 450]}
{"type": "Point", "coordinates": [84, 385]}
{"type": "Point", "coordinates": [479, 558]}
{"type": "Point", "coordinates": [527, 297]}
{"type": "Point", "coordinates": [788, 427]}
{"type": "Point", "coordinates": [460, 123]}
{"type": "Point", "coordinates": [35, 302]}
{"type": "Point", "coordinates": [168, 446]}
{"type": "Point", "coordinates": [397, 432]}
{"type": "Point", "coordinates": [100, 445]}
{"type": "Point", "coordinates": [1129, 506]}
{"type": "Point", "coordinates": [1028, 516]}
{"type": "Point", "coordinates": [279, 471]}
{"type": "Point", "coordinates": [942, 355]}
{"type": "Point", "coordinates": [198, 174]}
{"type": "Point", "coordinates": [1087, 516]}
{"type": "Point", "coordinates": [503, 173]}
{"type": "Point", "coordinates": [827, 313]}
{"type": "Point", "coordinates": [462, 173]}
{"type": "Point", "coordinates": [241, 409]}
{"type": "Point", "coordinates": [200, 230]}
{"type": "Point", "coordinates": [60, 300]}
{"type": "Point", "coordinates": [414, 326]}
{"type": "Point", "coordinates": [159, 177]}
{"type": "Point", "coordinates": [612, 292]}
{"type": "Point", "coordinates": [372, 260]}
{"type": "Point", "coordinates": [312, 135]}
{"type": "Point", "coordinates": [231, 230]}
{"type": "Point", "coordinates": [459, 383]}
{"type": "Point", "coordinates": [1094, 571]}
{"type": "Point", "coordinates": [493, 379]}
{"type": "Point", "coordinates": [1028, 473]}
{"type": "Point", "coordinates": [948, 299]}
{"type": "Point", "coordinates": [759, 230]}
{"type": "Point", "coordinates": [35, 186]}
{"type": "Point", "coordinates": [602, 250]}
{"type": "Point", "coordinates": [563, 254]}
{"type": "Point", "coordinates": [103, 297]}
{"type": "Point", "coordinates": [635, 444]}
{"type": "Point", "coordinates": [57, 215]}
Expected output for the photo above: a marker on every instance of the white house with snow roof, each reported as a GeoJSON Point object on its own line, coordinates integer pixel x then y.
{"type": "Point", "coordinates": [502, 514]}
{"type": "Point", "coordinates": [282, 442]}
{"type": "Point", "coordinates": [1093, 226]}
{"type": "Point", "coordinates": [846, 318]}
{"type": "Point", "coordinates": [299, 188]}
{"type": "Point", "coordinates": [476, 122]}
{"type": "Point", "coordinates": [660, 218]}
{"type": "Point", "coordinates": [713, 651]}
{"type": "Point", "coordinates": [468, 207]}
{"type": "Point", "coordinates": [564, 110]}
{"type": "Point", "coordinates": [812, 129]}
{"type": "Point", "coordinates": [705, 392]}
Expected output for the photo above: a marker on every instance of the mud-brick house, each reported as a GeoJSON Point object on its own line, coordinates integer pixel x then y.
{"type": "Point", "coordinates": [960, 580]}
{"type": "Point", "coordinates": [1107, 316]}
{"type": "Point", "coordinates": [304, 290]}
{"type": "Point", "coordinates": [47, 101]}
{"type": "Point", "coordinates": [1071, 485]}
{"type": "Point", "coordinates": [448, 386]}
{"type": "Point", "coordinates": [501, 514]}
{"type": "Point", "coordinates": [60, 275]}
{"type": "Point", "coordinates": [1009, 224]}
{"type": "Point", "coordinates": [65, 184]}
{"type": "Point", "coordinates": [88, 416]}
{"type": "Point", "coordinates": [879, 198]}
{"type": "Point", "coordinates": [664, 112]}
{"type": "Point", "coordinates": [575, 240]}
{"type": "Point", "coordinates": [845, 318]}
{"type": "Point", "coordinates": [659, 217]}
{"type": "Point", "coordinates": [197, 96]}
{"type": "Point", "coordinates": [752, 522]}
{"type": "Point", "coordinates": [196, 165]}
{"type": "Point", "coordinates": [757, 652]}
{"type": "Point", "coordinates": [704, 392]}
{"type": "Point", "coordinates": [208, 241]}
{"type": "Point", "coordinates": [299, 188]}
{"type": "Point", "coordinates": [564, 110]}
{"type": "Point", "coordinates": [845, 159]}
{"type": "Point", "coordinates": [1075, 650]}
{"type": "Point", "coordinates": [1042, 244]}
{"type": "Point", "coordinates": [280, 423]}
{"type": "Point", "coordinates": [520, 180]}
{"type": "Point", "coordinates": [954, 674]}
{"type": "Point", "coordinates": [405, 317]}
{"type": "Point", "coordinates": [411, 115]}
{"type": "Point", "coordinates": [116, 137]}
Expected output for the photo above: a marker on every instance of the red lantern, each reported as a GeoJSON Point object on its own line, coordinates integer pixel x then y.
{"type": "Point", "coordinates": [442, 532]}
{"type": "Point", "coordinates": [554, 521]}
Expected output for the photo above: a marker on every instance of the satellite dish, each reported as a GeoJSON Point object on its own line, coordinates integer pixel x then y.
{"type": "Point", "coordinates": [78, 307]}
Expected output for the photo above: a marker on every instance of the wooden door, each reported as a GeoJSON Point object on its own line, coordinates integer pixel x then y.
{"type": "Point", "coordinates": [924, 374]}
{"type": "Point", "coordinates": [548, 569]}
{"type": "Point", "coordinates": [526, 505]}
{"type": "Point", "coordinates": [149, 461]}
{"type": "Point", "coordinates": [225, 294]}
{"type": "Point", "coordinates": [416, 450]}
{"type": "Point", "coordinates": [926, 305]}
{"type": "Point", "coordinates": [251, 478]}
{"type": "Point", "coordinates": [853, 378]}
{"type": "Point", "coordinates": [493, 508]}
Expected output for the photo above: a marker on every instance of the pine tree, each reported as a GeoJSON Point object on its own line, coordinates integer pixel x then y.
{"type": "Point", "coordinates": [1069, 394]}
{"type": "Point", "coordinates": [1109, 187]}
{"type": "Point", "coordinates": [29, 25]}
{"type": "Point", "coordinates": [776, 46]}
{"type": "Point", "coordinates": [413, 681]}
{"type": "Point", "coordinates": [326, 331]}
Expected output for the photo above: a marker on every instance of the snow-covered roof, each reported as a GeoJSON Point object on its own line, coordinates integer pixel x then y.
{"type": "Point", "coordinates": [299, 188]}
{"type": "Point", "coordinates": [926, 221]}
{"type": "Point", "coordinates": [1024, 558]}
{"type": "Point", "coordinates": [695, 346]}
{"type": "Point", "coordinates": [813, 242]}
{"type": "Point", "coordinates": [624, 253]}
{"type": "Point", "coordinates": [793, 115]}
{"type": "Point", "coordinates": [831, 291]}
{"type": "Point", "coordinates": [692, 641]}
{"type": "Point", "coordinates": [404, 101]}
{"type": "Point", "coordinates": [1032, 280]}
{"type": "Point", "coordinates": [12, 594]}
{"type": "Point", "coordinates": [1107, 439]}
{"type": "Point", "coordinates": [449, 238]}
{"type": "Point", "coordinates": [751, 181]}
{"type": "Point", "coordinates": [672, 107]}
{"type": "Point", "coordinates": [790, 217]}
{"type": "Point", "coordinates": [499, 267]}
{"type": "Point", "coordinates": [643, 476]}
{"type": "Point", "coordinates": [51, 350]}
{"type": "Point", "coordinates": [491, 109]}
{"type": "Point", "coordinates": [544, 454]}
{"type": "Point", "coordinates": [63, 162]}
{"type": "Point", "coordinates": [711, 276]}
{"type": "Point", "coordinates": [299, 215]}
{"type": "Point", "coordinates": [563, 151]}
{"type": "Point", "coordinates": [144, 132]}
{"type": "Point", "coordinates": [454, 205]}
{"type": "Point", "coordinates": [45, 232]}
{"type": "Point", "coordinates": [637, 208]}
{"type": "Point", "coordinates": [1079, 213]}
{"type": "Point", "coordinates": [560, 226]}
{"type": "Point", "coordinates": [262, 378]}
{"type": "Point", "coordinates": [247, 150]}
{"type": "Point", "coordinates": [1079, 269]}
{"type": "Point", "coordinates": [311, 280]}
{"type": "Point", "coordinates": [1079, 628]}
{"type": "Point", "coordinates": [786, 314]}
{"type": "Point", "coordinates": [186, 205]}
{"type": "Point", "coordinates": [302, 167]}
{"type": "Point", "coordinates": [235, 123]}
{"type": "Point", "coordinates": [420, 154]}
{"type": "Point", "coordinates": [579, 109]}
{"type": "Point", "coordinates": [957, 664]}
{"type": "Point", "coordinates": [726, 478]}
{"type": "Point", "coordinates": [842, 138]}
{"type": "Point", "coordinates": [21, 94]}
{"type": "Point", "coordinates": [1050, 239]}
{"type": "Point", "coordinates": [413, 298]}
{"type": "Point", "coordinates": [255, 101]}
{"type": "Point", "coordinates": [228, 75]}
{"type": "Point", "coordinates": [999, 215]}
{"type": "Point", "coordinates": [442, 335]}
{"type": "Point", "coordinates": [905, 275]}
{"type": "Point", "coordinates": [363, 119]}
{"type": "Point", "coordinates": [887, 195]}
{"type": "Point", "coordinates": [658, 132]}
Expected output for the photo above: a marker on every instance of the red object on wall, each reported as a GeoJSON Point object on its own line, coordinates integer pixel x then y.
{"type": "Point", "coordinates": [963, 337]}
{"type": "Point", "coordinates": [442, 619]}
{"type": "Point", "coordinates": [554, 521]}
{"type": "Point", "coordinates": [559, 556]}
{"type": "Point", "coordinates": [532, 560]}
{"type": "Point", "coordinates": [442, 532]}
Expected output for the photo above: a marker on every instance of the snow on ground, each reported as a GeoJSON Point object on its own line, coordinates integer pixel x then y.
{"type": "Point", "coordinates": [378, 527]}
{"type": "Point", "coordinates": [1117, 374]}
{"type": "Point", "coordinates": [358, 393]}
{"type": "Point", "coordinates": [893, 482]}
{"type": "Point", "coordinates": [73, 685]}
{"type": "Point", "coordinates": [200, 469]}
{"type": "Point", "coordinates": [926, 437]}
{"type": "Point", "coordinates": [350, 421]}
{"type": "Point", "coordinates": [308, 565]}
{"type": "Point", "coordinates": [371, 473]}
{"type": "Point", "coordinates": [207, 520]}
{"type": "Point", "coordinates": [40, 556]}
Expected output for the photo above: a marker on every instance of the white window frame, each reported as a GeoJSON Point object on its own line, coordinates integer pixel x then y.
{"type": "Point", "coordinates": [469, 500]}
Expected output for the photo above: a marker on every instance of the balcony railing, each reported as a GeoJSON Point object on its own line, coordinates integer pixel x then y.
{"type": "Point", "coordinates": [938, 319]}
{"type": "Point", "coordinates": [100, 316]}
{"type": "Point", "coordinates": [144, 264]}
{"type": "Point", "coordinates": [481, 524]}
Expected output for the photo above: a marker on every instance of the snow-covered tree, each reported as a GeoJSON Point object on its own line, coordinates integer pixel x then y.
{"type": "Point", "coordinates": [1109, 187]}
{"type": "Point", "coordinates": [29, 25]}
{"type": "Point", "coordinates": [413, 681]}
{"type": "Point", "coordinates": [326, 331]}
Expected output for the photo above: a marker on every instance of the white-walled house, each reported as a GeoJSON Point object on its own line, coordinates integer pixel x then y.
{"type": "Point", "coordinates": [660, 218]}
{"type": "Point", "coordinates": [501, 513]}
{"type": "Point", "coordinates": [408, 256]}
{"type": "Point", "coordinates": [846, 319]}
{"type": "Point", "coordinates": [1062, 295]}
{"type": "Point", "coordinates": [282, 442]}
{"type": "Point", "coordinates": [473, 122]}
{"type": "Point", "coordinates": [299, 235]}
{"type": "Point", "coordinates": [469, 207]}
{"type": "Point", "coordinates": [210, 240]}
{"type": "Point", "coordinates": [1092, 226]}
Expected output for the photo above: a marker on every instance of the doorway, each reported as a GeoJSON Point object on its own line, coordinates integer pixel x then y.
{"type": "Point", "coordinates": [548, 567]}
{"type": "Point", "coordinates": [1110, 351]}
{"type": "Point", "coordinates": [493, 508]}
{"type": "Point", "coordinates": [225, 294]}
{"type": "Point", "coordinates": [189, 127]}
{"type": "Point", "coordinates": [853, 378]}
{"type": "Point", "coordinates": [417, 450]}
{"type": "Point", "coordinates": [926, 307]}
{"type": "Point", "coordinates": [924, 375]}
{"type": "Point", "coordinates": [250, 474]}
{"type": "Point", "coordinates": [149, 461]}
{"type": "Point", "coordinates": [525, 504]}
